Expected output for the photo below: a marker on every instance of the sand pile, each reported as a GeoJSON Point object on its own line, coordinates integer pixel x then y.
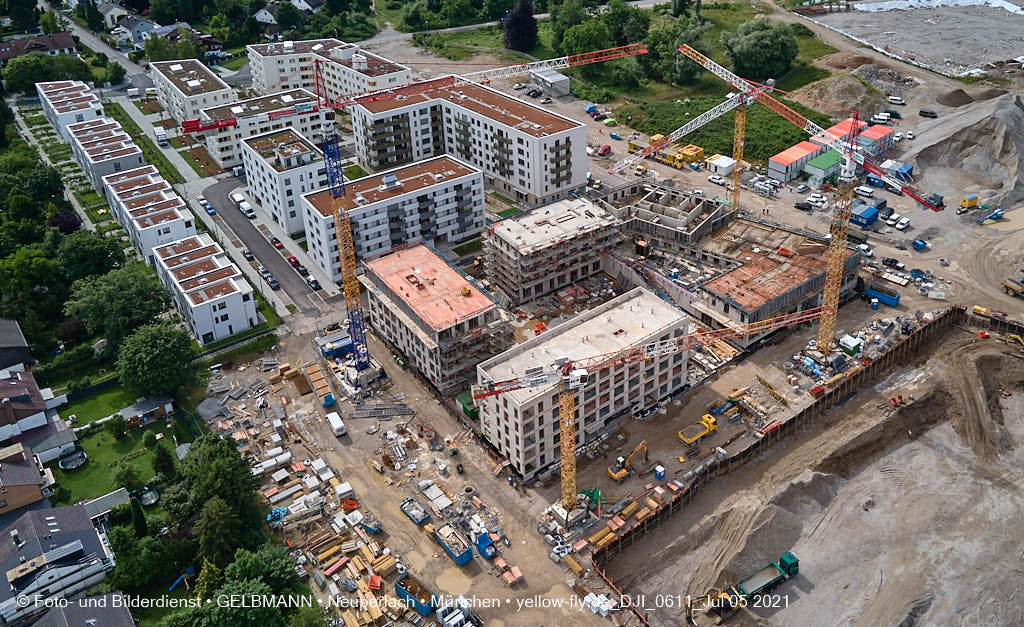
{"type": "Point", "coordinates": [980, 149]}
{"type": "Point", "coordinates": [844, 90]}
{"type": "Point", "coordinates": [955, 98]}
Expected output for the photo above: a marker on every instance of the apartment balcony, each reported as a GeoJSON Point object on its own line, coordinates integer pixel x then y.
{"type": "Point", "coordinates": [562, 168]}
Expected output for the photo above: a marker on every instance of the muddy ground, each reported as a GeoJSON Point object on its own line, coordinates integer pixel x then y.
{"type": "Point", "coordinates": [889, 511]}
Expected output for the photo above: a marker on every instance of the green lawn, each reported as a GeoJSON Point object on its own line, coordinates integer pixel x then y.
{"type": "Point", "coordinates": [469, 247]}
{"type": "Point", "coordinates": [234, 64]}
{"type": "Point", "coordinates": [463, 45]}
{"type": "Point", "coordinates": [101, 404]}
{"type": "Point", "coordinates": [150, 152]}
{"type": "Point", "coordinates": [96, 477]}
{"type": "Point", "coordinates": [353, 172]}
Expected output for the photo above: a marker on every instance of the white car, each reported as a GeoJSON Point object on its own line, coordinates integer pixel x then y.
{"type": "Point", "coordinates": [866, 250]}
{"type": "Point", "coordinates": [903, 224]}
{"type": "Point", "coordinates": [698, 192]}
{"type": "Point", "coordinates": [910, 134]}
{"type": "Point", "coordinates": [894, 219]}
{"type": "Point", "coordinates": [898, 137]}
{"type": "Point", "coordinates": [518, 86]}
{"type": "Point", "coordinates": [717, 180]}
{"type": "Point", "coordinates": [815, 197]}
{"type": "Point", "coordinates": [801, 188]}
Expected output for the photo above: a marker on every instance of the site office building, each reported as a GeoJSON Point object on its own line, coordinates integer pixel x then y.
{"type": "Point", "coordinates": [186, 86]}
{"type": "Point", "coordinates": [429, 311]}
{"type": "Point", "coordinates": [440, 200]}
{"type": "Point", "coordinates": [524, 151]}
{"type": "Point", "coordinates": [209, 291]}
{"type": "Point", "coordinates": [347, 69]}
{"type": "Point", "coordinates": [66, 103]}
{"type": "Point", "coordinates": [253, 117]}
{"type": "Point", "coordinates": [149, 210]}
{"type": "Point", "coordinates": [523, 424]}
{"type": "Point", "coordinates": [280, 166]}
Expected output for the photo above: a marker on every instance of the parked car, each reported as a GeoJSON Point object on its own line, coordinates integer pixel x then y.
{"type": "Point", "coordinates": [600, 116]}
{"type": "Point", "coordinates": [890, 262]}
{"type": "Point", "coordinates": [247, 254]}
{"type": "Point", "coordinates": [262, 271]}
{"type": "Point", "coordinates": [896, 100]}
{"type": "Point", "coordinates": [803, 206]}
{"type": "Point", "coordinates": [910, 134]}
{"type": "Point", "coordinates": [272, 283]}
{"type": "Point", "coordinates": [518, 86]}
{"type": "Point", "coordinates": [546, 101]}
{"type": "Point", "coordinates": [776, 183]}
{"type": "Point", "coordinates": [866, 250]}
{"type": "Point", "coordinates": [201, 199]}
{"type": "Point", "coordinates": [927, 113]}
{"type": "Point", "coordinates": [698, 192]}
{"type": "Point", "coordinates": [276, 243]}
{"type": "Point", "coordinates": [898, 137]}
{"type": "Point", "coordinates": [801, 188]}
{"type": "Point", "coordinates": [717, 180]}
{"type": "Point", "coordinates": [294, 261]}
{"type": "Point", "coordinates": [313, 283]}
{"type": "Point", "coordinates": [894, 219]}
{"type": "Point", "coordinates": [820, 203]}
{"type": "Point", "coordinates": [885, 213]}
{"type": "Point", "coordinates": [605, 150]}
{"type": "Point", "coordinates": [903, 224]}
{"type": "Point", "coordinates": [301, 269]}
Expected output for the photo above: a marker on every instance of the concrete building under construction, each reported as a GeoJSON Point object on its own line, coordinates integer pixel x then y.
{"type": "Point", "coordinates": [549, 248]}
{"type": "Point", "coordinates": [434, 316]}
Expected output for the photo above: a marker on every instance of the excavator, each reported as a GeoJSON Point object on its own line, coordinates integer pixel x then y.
{"type": "Point", "coordinates": [622, 469]}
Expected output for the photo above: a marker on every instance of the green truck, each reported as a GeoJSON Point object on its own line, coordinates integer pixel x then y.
{"type": "Point", "coordinates": [723, 603]}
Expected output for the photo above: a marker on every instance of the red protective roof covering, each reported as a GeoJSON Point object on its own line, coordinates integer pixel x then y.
{"type": "Point", "coordinates": [876, 132]}
{"type": "Point", "coordinates": [795, 153]}
{"type": "Point", "coordinates": [842, 129]}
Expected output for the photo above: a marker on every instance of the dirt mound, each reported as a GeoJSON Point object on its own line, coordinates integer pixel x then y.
{"type": "Point", "coordinates": [844, 90]}
{"type": "Point", "coordinates": [989, 94]}
{"type": "Point", "coordinates": [775, 531]}
{"type": "Point", "coordinates": [980, 149]}
{"type": "Point", "coordinates": [955, 98]}
{"type": "Point", "coordinates": [845, 60]}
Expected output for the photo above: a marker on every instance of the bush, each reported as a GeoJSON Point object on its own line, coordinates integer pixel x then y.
{"type": "Point", "coordinates": [115, 427]}
{"type": "Point", "coordinates": [149, 440]}
{"type": "Point", "coordinates": [77, 385]}
{"type": "Point", "coordinates": [120, 515]}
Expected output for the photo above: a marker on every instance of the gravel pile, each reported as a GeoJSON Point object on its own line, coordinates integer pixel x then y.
{"type": "Point", "coordinates": [885, 80]}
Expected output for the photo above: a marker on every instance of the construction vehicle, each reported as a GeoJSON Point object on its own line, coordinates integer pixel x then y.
{"type": "Point", "coordinates": [698, 430]}
{"type": "Point", "coordinates": [622, 468]}
{"type": "Point", "coordinates": [1014, 287]}
{"type": "Point", "coordinates": [678, 158]}
{"type": "Point", "coordinates": [995, 216]}
{"type": "Point", "coordinates": [640, 170]}
{"type": "Point", "coordinates": [1015, 338]}
{"type": "Point", "coordinates": [571, 376]}
{"type": "Point", "coordinates": [724, 603]}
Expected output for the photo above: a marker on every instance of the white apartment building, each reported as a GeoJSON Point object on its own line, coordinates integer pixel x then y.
{"type": "Point", "coordinates": [434, 315]}
{"type": "Point", "coordinates": [523, 150]}
{"type": "Point", "coordinates": [439, 200]}
{"type": "Point", "coordinates": [551, 247]}
{"type": "Point", "coordinates": [346, 68]}
{"type": "Point", "coordinates": [150, 211]}
{"type": "Point", "coordinates": [210, 293]}
{"type": "Point", "coordinates": [280, 167]}
{"type": "Point", "coordinates": [296, 108]}
{"type": "Point", "coordinates": [523, 423]}
{"type": "Point", "coordinates": [101, 147]}
{"type": "Point", "coordinates": [67, 102]}
{"type": "Point", "coordinates": [186, 86]}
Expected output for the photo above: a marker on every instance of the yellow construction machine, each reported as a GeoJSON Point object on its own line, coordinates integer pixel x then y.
{"type": "Point", "coordinates": [698, 430]}
{"type": "Point", "coordinates": [622, 466]}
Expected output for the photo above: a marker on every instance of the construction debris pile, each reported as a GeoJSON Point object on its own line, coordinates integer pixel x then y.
{"type": "Point", "coordinates": [885, 80]}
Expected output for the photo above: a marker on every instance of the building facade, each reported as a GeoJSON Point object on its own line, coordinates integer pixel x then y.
{"type": "Point", "coordinates": [186, 86]}
{"type": "Point", "coordinates": [66, 103]}
{"type": "Point", "coordinates": [296, 108]}
{"type": "Point", "coordinates": [101, 147]}
{"type": "Point", "coordinates": [523, 150]}
{"type": "Point", "coordinates": [551, 247]}
{"type": "Point", "coordinates": [524, 424]}
{"type": "Point", "coordinates": [346, 68]}
{"type": "Point", "coordinates": [209, 292]}
{"type": "Point", "coordinates": [24, 479]}
{"type": "Point", "coordinates": [439, 201]}
{"type": "Point", "coordinates": [148, 209]}
{"type": "Point", "coordinates": [281, 166]}
{"type": "Point", "coordinates": [442, 323]}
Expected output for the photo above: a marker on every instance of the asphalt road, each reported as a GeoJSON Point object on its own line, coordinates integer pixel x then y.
{"type": "Point", "coordinates": [259, 245]}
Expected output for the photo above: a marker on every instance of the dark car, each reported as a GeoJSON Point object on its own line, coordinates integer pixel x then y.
{"type": "Point", "coordinates": [891, 262]}
{"type": "Point", "coordinates": [885, 213]}
{"type": "Point", "coordinates": [247, 254]}
{"type": "Point", "coordinates": [927, 113]}
{"type": "Point", "coordinates": [301, 269]}
{"type": "Point", "coordinates": [600, 116]}
{"type": "Point", "coordinates": [803, 206]}
{"type": "Point", "coordinates": [313, 283]}
{"type": "Point", "coordinates": [272, 282]}
{"type": "Point", "coordinates": [277, 243]}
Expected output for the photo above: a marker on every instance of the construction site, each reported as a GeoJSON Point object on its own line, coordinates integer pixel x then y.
{"type": "Point", "coordinates": [645, 404]}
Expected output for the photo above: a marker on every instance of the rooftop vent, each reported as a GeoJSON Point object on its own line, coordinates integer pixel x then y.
{"type": "Point", "coordinates": [289, 45]}
{"type": "Point", "coordinates": [177, 67]}
{"type": "Point", "coordinates": [360, 200]}
{"type": "Point", "coordinates": [389, 181]}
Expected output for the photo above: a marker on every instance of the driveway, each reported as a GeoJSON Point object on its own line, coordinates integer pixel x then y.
{"type": "Point", "coordinates": [259, 245]}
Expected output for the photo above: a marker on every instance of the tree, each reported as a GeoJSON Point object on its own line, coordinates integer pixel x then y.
{"type": "Point", "coordinates": [127, 476]}
{"type": "Point", "coordinates": [238, 613]}
{"type": "Point", "coordinates": [681, 7]}
{"type": "Point", "coordinates": [138, 518]}
{"type": "Point", "coordinates": [308, 617]}
{"type": "Point", "coordinates": [496, 9]}
{"type": "Point", "coordinates": [568, 14]}
{"type": "Point", "coordinates": [214, 469]}
{"type": "Point", "coordinates": [590, 35]}
{"type": "Point", "coordinates": [163, 462]}
{"type": "Point", "coordinates": [761, 49]}
{"type": "Point", "coordinates": [31, 285]}
{"type": "Point", "coordinates": [66, 221]}
{"type": "Point", "coordinates": [21, 12]}
{"type": "Point", "coordinates": [115, 427]}
{"type": "Point", "coordinates": [44, 184]}
{"type": "Point", "coordinates": [117, 302]}
{"type": "Point", "coordinates": [159, 49]}
{"type": "Point", "coordinates": [287, 16]}
{"type": "Point", "coordinates": [686, 70]}
{"type": "Point", "coordinates": [521, 27]}
{"type": "Point", "coordinates": [48, 22]}
{"type": "Point", "coordinates": [163, 11]}
{"type": "Point", "coordinates": [84, 253]}
{"type": "Point", "coordinates": [115, 73]}
{"type": "Point", "coordinates": [149, 440]}
{"type": "Point", "coordinates": [270, 565]}
{"type": "Point", "coordinates": [220, 27]}
{"type": "Point", "coordinates": [157, 358]}
{"type": "Point", "coordinates": [216, 531]}
{"type": "Point", "coordinates": [210, 578]}
{"type": "Point", "coordinates": [22, 73]}
{"type": "Point", "coordinates": [93, 17]}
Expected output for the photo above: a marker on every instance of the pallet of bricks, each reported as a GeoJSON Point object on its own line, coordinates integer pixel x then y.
{"type": "Point", "coordinates": [321, 384]}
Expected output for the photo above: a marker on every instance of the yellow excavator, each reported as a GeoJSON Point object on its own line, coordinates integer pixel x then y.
{"type": "Point", "coordinates": [622, 466]}
{"type": "Point", "coordinates": [1016, 338]}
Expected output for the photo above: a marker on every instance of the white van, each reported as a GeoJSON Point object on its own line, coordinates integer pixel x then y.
{"type": "Point", "coordinates": [238, 199]}
{"type": "Point", "coordinates": [247, 210]}
{"type": "Point", "coordinates": [864, 190]}
{"type": "Point", "coordinates": [336, 423]}
{"type": "Point", "coordinates": [880, 118]}
{"type": "Point", "coordinates": [896, 100]}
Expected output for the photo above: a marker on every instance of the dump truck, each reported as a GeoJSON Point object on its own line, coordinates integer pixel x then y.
{"type": "Point", "coordinates": [1014, 287]}
{"type": "Point", "coordinates": [698, 430]}
{"type": "Point", "coordinates": [764, 580]}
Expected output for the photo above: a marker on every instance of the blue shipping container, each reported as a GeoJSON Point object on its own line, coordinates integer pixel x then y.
{"type": "Point", "coordinates": [864, 216]}
{"type": "Point", "coordinates": [875, 181]}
